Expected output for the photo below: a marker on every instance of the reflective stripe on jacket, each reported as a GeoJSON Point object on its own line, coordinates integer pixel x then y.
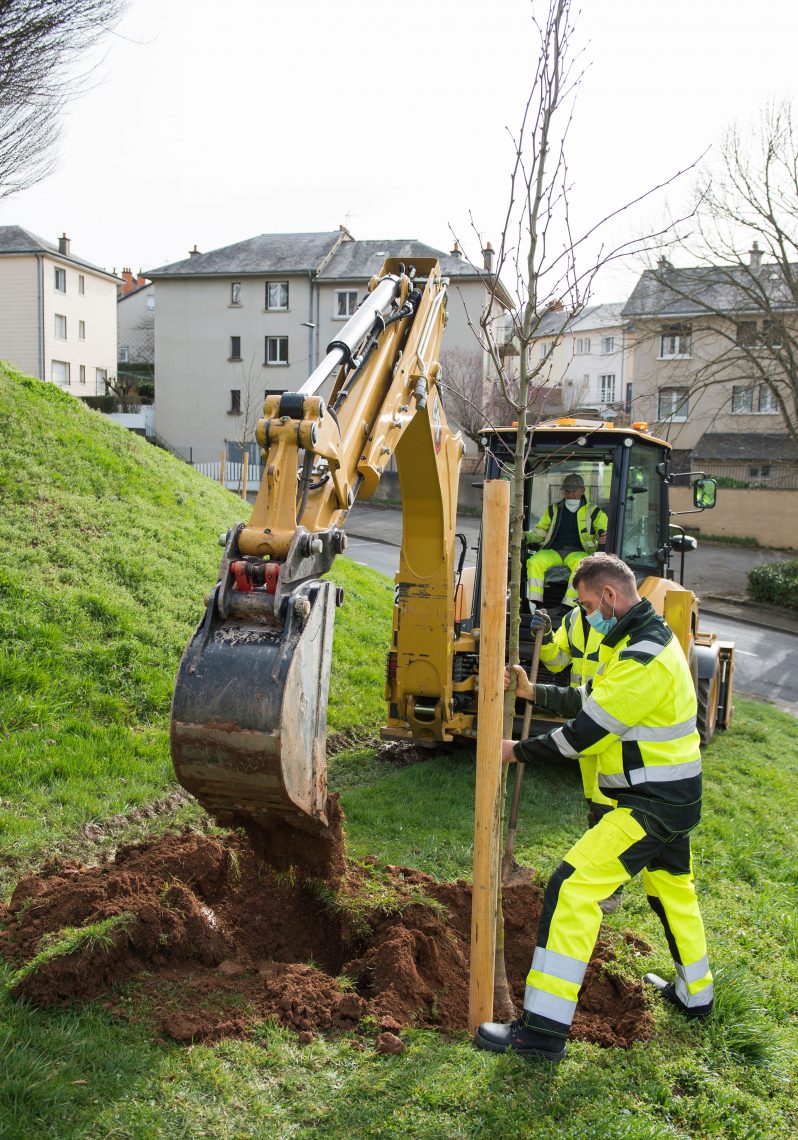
{"type": "Point", "coordinates": [639, 720]}
{"type": "Point", "coordinates": [575, 643]}
{"type": "Point", "coordinates": [590, 520]}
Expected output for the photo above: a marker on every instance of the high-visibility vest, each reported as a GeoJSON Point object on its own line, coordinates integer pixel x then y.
{"type": "Point", "coordinates": [639, 721]}
{"type": "Point", "coordinates": [575, 643]}
{"type": "Point", "coordinates": [590, 521]}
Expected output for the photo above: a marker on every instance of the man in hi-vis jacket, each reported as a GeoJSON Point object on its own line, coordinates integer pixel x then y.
{"type": "Point", "coordinates": [640, 723]}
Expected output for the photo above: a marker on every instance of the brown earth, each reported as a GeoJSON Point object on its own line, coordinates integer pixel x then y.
{"type": "Point", "coordinates": [214, 940]}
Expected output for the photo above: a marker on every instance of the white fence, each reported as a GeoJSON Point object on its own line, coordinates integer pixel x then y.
{"type": "Point", "coordinates": [233, 474]}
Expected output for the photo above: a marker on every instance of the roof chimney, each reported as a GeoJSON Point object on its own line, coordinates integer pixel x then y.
{"type": "Point", "coordinates": [63, 245]}
{"type": "Point", "coordinates": [755, 255]}
{"type": "Point", "coordinates": [663, 263]}
{"type": "Point", "coordinates": [194, 252]}
{"type": "Point", "coordinates": [487, 257]}
{"type": "Point", "coordinates": [456, 251]}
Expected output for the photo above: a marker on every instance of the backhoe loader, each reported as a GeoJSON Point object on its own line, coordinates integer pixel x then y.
{"type": "Point", "coordinates": [248, 733]}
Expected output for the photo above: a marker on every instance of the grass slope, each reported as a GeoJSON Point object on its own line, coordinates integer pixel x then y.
{"type": "Point", "coordinates": [108, 546]}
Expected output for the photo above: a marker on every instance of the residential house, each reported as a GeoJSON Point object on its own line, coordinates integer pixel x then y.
{"type": "Point", "coordinates": [135, 321]}
{"type": "Point", "coordinates": [584, 355]}
{"type": "Point", "coordinates": [256, 317]}
{"type": "Point", "coordinates": [58, 317]}
{"type": "Point", "coordinates": [705, 341]}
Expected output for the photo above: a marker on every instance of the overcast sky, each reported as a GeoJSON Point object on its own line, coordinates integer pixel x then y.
{"type": "Point", "coordinates": [210, 123]}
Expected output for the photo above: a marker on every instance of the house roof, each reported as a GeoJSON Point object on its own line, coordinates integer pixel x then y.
{"type": "Point", "coordinates": [358, 259]}
{"type": "Point", "coordinates": [584, 320]}
{"type": "Point", "coordinates": [16, 240]}
{"type": "Point", "coordinates": [742, 446]}
{"type": "Point", "coordinates": [332, 256]}
{"type": "Point", "coordinates": [266, 253]}
{"type": "Point", "coordinates": [703, 289]}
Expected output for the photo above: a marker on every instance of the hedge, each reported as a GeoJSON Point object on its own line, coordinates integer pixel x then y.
{"type": "Point", "coordinates": [775, 582]}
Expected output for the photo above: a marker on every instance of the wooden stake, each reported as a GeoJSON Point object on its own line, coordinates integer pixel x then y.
{"type": "Point", "coordinates": [487, 799]}
{"type": "Point", "coordinates": [221, 467]}
{"type": "Point", "coordinates": [245, 475]}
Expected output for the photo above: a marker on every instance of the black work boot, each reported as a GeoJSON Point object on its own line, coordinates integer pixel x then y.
{"type": "Point", "coordinates": [519, 1039]}
{"type": "Point", "coordinates": [670, 995]}
{"type": "Point", "coordinates": [668, 991]}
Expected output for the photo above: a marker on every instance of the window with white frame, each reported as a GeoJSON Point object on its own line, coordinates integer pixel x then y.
{"type": "Point", "coordinates": [101, 381]}
{"type": "Point", "coordinates": [753, 399]}
{"type": "Point", "coordinates": [607, 388]}
{"type": "Point", "coordinates": [81, 330]}
{"type": "Point", "coordinates": [59, 372]}
{"type": "Point", "coordinates": [81, 284]}
{"type": "Point", "coordinates": [235, 348]}
{"type": "Point", "coordinates": [672, 404]}
{"type": "Point", "coordinates": [60, 326]}
{"type": "Point", "coordinates": [276, 350]}
{"type": "Point", "coordinates": [676, 341]}
{"type": "Point", "coordinates": [582, 345]}
{"type": "Point", "coordinates": [759, 471]}
{"type": "Point", "coordinates": [544, 348]}
{"type": "Point", "coordinates": [124, 354]}
{"type": "Point", "coordinates": [60, 280]}
{"type": "Point", "coordinates": [345, 303]}
{"type": "Point", "coordinates": [276, 295]}
{"type": "Point", "coordinates": [150, 302]}
{"type": "Point", "coordinates": [607, 344]}
{"type": "Point", "coordinates": [235, 293]}
{"type": "Point", "coordinates": [83, 373]}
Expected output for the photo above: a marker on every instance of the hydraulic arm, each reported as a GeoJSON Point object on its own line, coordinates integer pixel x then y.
{"type": "Point", "coordinates": [249, 714]}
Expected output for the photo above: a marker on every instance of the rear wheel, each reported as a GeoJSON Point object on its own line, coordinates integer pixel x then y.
{"type": "Point", "coordinates": [708, 693]}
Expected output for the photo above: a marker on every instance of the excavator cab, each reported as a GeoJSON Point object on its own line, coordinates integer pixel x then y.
{"type": "Point", "coordinates": [627, 474]}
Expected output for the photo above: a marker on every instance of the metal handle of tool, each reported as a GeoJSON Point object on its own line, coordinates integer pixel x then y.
{"type": "Point", "coordinates": [512, 825]}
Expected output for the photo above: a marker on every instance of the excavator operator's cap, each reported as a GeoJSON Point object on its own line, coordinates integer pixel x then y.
{"type": "Point", "coordinates": [573, 480]}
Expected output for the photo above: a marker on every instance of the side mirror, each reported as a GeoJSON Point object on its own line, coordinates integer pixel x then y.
{"type": "Point", "coordinates": [705, 492]}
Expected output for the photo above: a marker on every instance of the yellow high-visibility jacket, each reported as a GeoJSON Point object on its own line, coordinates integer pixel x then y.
{"type": "Point", "coordinates": [639, 720]}
{"type": "Point", "coordinates": [591, 522]}
{"type": "Point", "coordinates": [575, 643]}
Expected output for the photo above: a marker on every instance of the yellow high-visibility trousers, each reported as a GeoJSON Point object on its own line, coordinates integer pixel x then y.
{"type": "Point", "coordinates": [608, 855]}
{"type": "Point", "coordinates": [542, 560]}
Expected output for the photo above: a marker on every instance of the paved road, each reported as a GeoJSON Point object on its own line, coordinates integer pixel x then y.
{"type": "Point", "coordinates": [764, 662]}
{"type": "Point", "coordinates": [766, 665]}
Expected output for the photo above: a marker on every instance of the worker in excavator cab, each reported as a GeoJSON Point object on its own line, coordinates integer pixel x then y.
{"type": "Point", "coordinates": [567, 532]}
{"type": "Point", "coordinates": [577, 643]}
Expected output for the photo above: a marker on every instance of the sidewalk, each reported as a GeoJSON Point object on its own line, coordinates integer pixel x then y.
{"type": "Point", "coordinates": [717, 572]}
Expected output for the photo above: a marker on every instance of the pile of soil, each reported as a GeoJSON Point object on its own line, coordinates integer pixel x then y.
{"type": "Point", "coordinates": [217, 940]}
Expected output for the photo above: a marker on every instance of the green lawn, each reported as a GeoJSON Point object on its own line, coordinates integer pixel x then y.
{"type": "Point", "coordinates": [107, 546]}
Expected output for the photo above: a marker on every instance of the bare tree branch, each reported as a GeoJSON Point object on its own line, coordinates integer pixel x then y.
{"type": "Point", "coordinates": [40, 44]}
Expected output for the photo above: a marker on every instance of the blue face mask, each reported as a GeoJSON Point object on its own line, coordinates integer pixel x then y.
{"type": "Point", "coordinates": [599, 622]}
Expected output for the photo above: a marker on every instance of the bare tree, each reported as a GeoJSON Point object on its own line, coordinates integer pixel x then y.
{"type": "Point", "coordinates": [739, 299]}
{"type": "Point", "coordinates": [464, 389]}
{"type": "Point", "coordinates": [549, 269]}
{"type": "Point", "coordinates": [40, 44]}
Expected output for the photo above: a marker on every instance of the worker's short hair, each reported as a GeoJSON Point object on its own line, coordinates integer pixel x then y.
{"type": "Point", "coordinates": [599, 570]}
{"type": "Point", "coordinates": [573, 479]}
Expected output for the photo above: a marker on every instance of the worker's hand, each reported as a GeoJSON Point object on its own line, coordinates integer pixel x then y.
{"type": "Point", "coordinates": [523, 688]}
{"type": "Point", "coordinates": [540, 620]}
{"type": "Point", "coordinates": [531, 547]}
{"type": "Point", "coordinates": [508, 755]}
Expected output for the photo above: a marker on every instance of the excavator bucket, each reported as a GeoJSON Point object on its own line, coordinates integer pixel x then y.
{"type": "Point", "coordinates": [249, 712]}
